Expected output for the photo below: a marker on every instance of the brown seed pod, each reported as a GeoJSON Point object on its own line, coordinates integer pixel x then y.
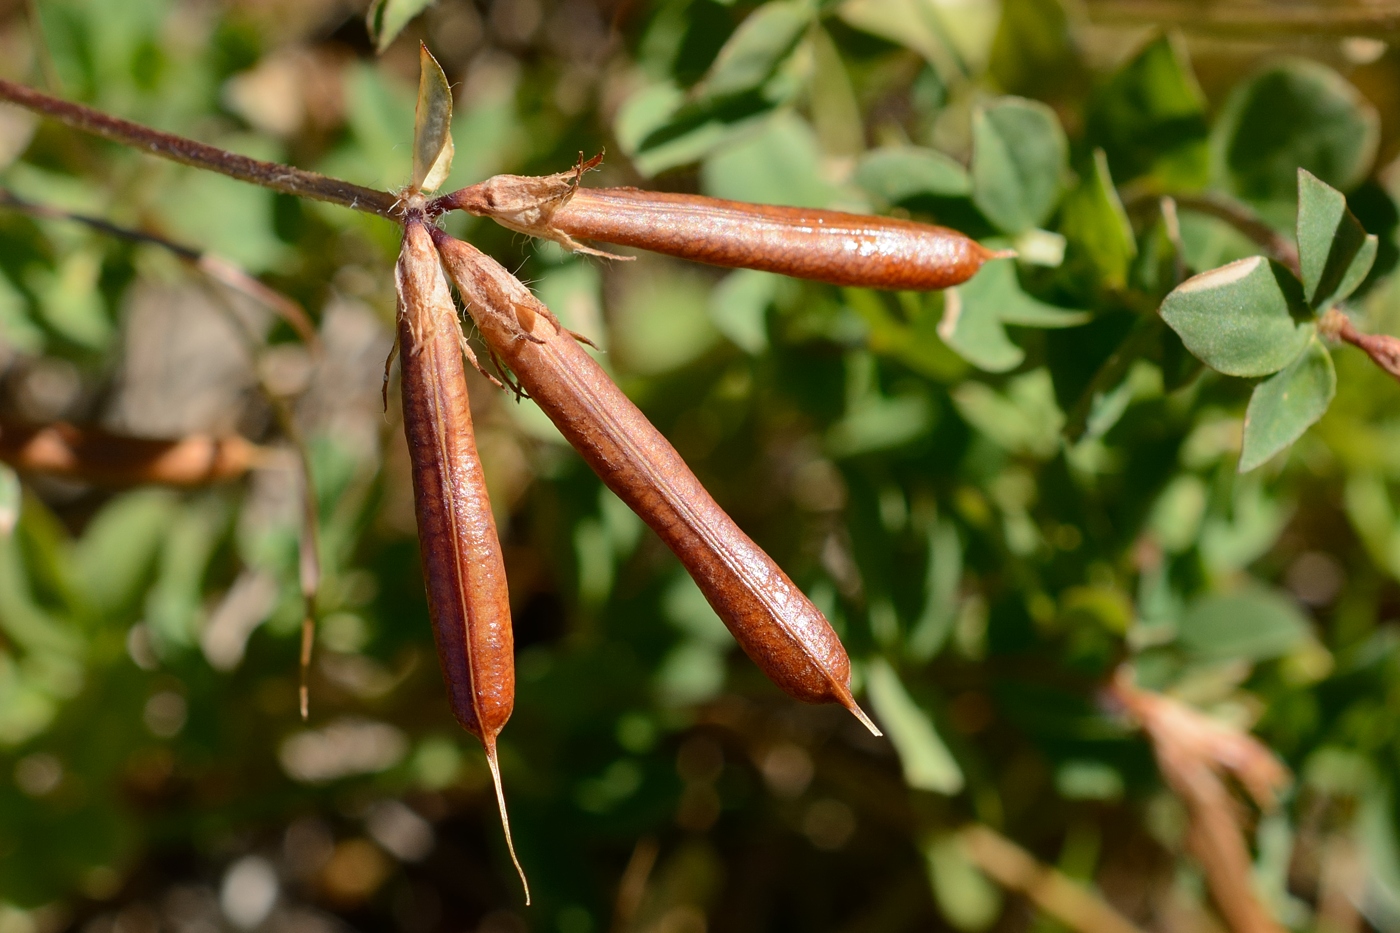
{"type": "Point", "coordinates": [96, 456]}
{"type": "Point", "coordinates": [806, 243]}
{"type": "Point", "coordinates": [462, 565]}
{"type": "Point", "coordinates": [779, 627]}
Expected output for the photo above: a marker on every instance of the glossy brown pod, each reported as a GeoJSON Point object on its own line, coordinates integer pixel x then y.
{"type": "Point", "coordinates": [806, 243]}
{"type": "Point", "coordinates": [462, 565]}
{"type": "Point", "coordinates": [779, 627]}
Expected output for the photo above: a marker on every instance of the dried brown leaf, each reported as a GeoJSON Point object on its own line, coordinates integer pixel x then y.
{"type": "Point", "coordinates": [432, 125]}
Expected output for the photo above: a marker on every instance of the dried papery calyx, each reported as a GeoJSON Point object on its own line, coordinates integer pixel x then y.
{"type": "Point", "coordinates": [778, 626]}
{"type": "Point", "coordinates": [826, 246]}
{"type": "Point", "coordinates": [462, 564]}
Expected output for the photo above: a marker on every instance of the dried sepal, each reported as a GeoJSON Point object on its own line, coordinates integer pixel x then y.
{"type": "Point", "coordinates": [432, 125]}
{"type": "Point", "coordinates": [527, 203]}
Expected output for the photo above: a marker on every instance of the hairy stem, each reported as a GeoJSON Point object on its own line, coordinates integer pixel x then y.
{"type": "Point", "coordinates": [1383, 349]}
{"type": "Point", "coordinates": [272, 175]}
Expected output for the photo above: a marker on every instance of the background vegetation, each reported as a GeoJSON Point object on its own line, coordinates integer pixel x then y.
{"type": "Point", "coordinates": [997, 508]}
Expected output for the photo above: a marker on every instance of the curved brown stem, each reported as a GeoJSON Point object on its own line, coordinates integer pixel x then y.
{"type": "Point", "coordinates": [272, 175]}
{"type": "Point", "coordinates": [1279, 246]}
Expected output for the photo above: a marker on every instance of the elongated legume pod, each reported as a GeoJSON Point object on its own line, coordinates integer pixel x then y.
{"type": "Point", "coordinates": [806, 243]}
{"type": "Point", "coordinates": [462, 565]}
{"type": "Point", "coordinates": [779, 627]}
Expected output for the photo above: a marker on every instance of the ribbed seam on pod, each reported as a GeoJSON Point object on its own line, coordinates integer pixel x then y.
{"type": "Point", "coordinates": [836, 247]}
{"type": "Point", "coordinates": [462, 565]}
{"type": "Point", "coordinates": [777, 626]}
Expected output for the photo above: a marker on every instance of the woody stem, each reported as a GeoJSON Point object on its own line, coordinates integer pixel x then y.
{"type": "Point", "coordinates": [272, 175]}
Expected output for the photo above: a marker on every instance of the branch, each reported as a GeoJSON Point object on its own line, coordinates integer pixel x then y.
{"type": "Point", "coordinates": [1329, 18]}
{"type": "Point", "coordinates": [283, 178]}
{"type": "Point", "coordinates": [217, 268]}
{"type": "Point", "coordinates": [1072, 903]}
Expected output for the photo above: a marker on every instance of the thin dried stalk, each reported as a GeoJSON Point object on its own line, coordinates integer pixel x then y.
{"type": "Point", "coordinates": [272, 175]}
{"type": "Point", "coordinates": [1194, 753]}
{"type": "Point", "coordinates": [1060, 896]}
{"type": "Point", "coordinates": [1253, 19]}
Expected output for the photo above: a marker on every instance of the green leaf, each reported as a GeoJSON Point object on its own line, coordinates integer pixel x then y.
{"type": "Point", "coordinates": [1097, 227]}
{"type": "Point", "coordinates": [1287, 404]}
{"type": "Point", "coordinates": [965, 897]}
{"type": "Point", "coordinates": [876, 422]}
{"type": "Point", "coordinates": [1151, 116]}
{"type": "Point", "coordinates": [920, 25]}
{"type": "Point", "coordinates": [16, 329]}
{"type": "Point", "coordinates": [432, 125]}
{"type": "Point", "coordinates": [897, 173]}
{"type": "Point", "coordinates": [831, 98]}
{"type": "Point", "coordinates": [974, 314]}
{"type": "Point", "coordinates": [1019, 160]}
{"type": "Point", "coordinates": [1239, 319]}
{"type": "Point", "coordinates": [927, 763]}
{"type": "Point", "coordinates": [1176, 516]}
{"type": "Point", "coordinates": [1025, 420]}
{"type": "Point", "coordinates": [71, 301]}
{"type": "Point", "coordinates": [1252, 624]}
{"type": "Point", "coordinates": [911, 336]}
{"type": "Point", "coordinates": [942, 576]}
{"type": "Point", "coordinates": [1034, 51]}
{"type": "Point", "coordinates": [119, 547]}
{"type": "Point", "coordinates": [752, 54]}
{"type": "Point", "coordinates": [739, 306]}
{"type": "Point", "coordinates": [660, 130]}
{"type": "Point", "coordinates": [387, 18]}
{"type": "Point", "coordinates": [1294, 114]}
{"type": "Point", "coordinates": [780, 165]}
{"type": "Point", "coordinates": [1334, 250]}
{"type": "Point", "coordinates": [11, 497]}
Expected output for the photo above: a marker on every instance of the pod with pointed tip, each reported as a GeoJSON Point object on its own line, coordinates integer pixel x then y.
{"type": "Point", "coordinates": [826, 246]}
{"type": "Point", "coordinates": [462, 564]}
{"type": "Point", "coordinates": [777, 626]}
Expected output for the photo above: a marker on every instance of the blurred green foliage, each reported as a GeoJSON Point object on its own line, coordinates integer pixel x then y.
{"type": "Point", "coordinates": [998, 494]}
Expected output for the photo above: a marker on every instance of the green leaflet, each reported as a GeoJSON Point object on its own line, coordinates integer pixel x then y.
{"type": "Point", "coordinates": [975, 315]}
{"type": "Point", "coordinates": [1294, 114]}
{"type": "Point", "coordinates": [385, 19]}
{"type": "Point", "coordinates": [1239, 319]}
{"type": "Point", "coordinates": [1019, 162]}
{"type": "Point", "coordinates": [897, 173]}
{"type": "Point", "coordinates": [927, 763]}
{"type": "Point", "coordinates": [1251, 623]}
{"type": "Point", "coordinates": [1287, 404]}
{"type": "Point", "coordinates": [1334, 250]}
